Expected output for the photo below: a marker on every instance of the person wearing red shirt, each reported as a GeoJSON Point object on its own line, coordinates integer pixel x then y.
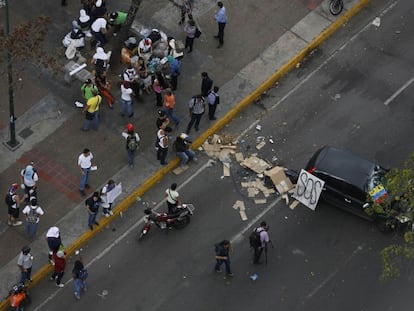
{"type": "Point", "coordinates": [60, 264]}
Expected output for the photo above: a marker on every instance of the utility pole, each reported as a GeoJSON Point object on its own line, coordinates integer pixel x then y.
{"type": "Point", "coordinates": [12, 143]}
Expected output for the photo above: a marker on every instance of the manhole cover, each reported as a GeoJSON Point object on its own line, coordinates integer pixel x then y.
{"type": "Point", "coordinates": [25, 133]}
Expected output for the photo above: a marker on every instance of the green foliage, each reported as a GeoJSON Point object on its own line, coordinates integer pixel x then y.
{"type": "Point", "coordinates": [399, 183]}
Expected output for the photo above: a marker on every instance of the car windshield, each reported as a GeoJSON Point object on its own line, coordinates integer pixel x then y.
{"type": "Point", "coordinates": [377, 178]}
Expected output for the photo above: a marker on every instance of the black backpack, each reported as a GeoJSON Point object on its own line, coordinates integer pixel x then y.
{"type": "Point", "coordinates": [254, 239]}
{"type": "Point", "coordinates": [132, 143]}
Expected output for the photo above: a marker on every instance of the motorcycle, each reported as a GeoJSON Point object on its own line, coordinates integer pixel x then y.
{"type": "Point", "coordinates": [18, 298]}
{"type": "Point", "coordinates": [336, 6]}
{"type": "Point", "coordinates": [178, 220]}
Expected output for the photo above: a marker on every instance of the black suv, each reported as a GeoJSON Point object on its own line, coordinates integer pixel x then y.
{"type": "Point", "coordinates": [349, 179]}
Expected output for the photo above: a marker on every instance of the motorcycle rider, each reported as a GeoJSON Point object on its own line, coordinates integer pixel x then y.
{"type": "Point", "coordinates": [173, 199]}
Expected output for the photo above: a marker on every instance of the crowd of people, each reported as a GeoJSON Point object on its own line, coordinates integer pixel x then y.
{"type": "Point", "coordinates": [152, 66]}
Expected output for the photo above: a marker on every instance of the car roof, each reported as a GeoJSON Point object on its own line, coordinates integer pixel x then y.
{"type": "Point", "coordinates": [342, 164]}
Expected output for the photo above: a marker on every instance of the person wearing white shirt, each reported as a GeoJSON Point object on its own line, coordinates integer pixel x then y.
{"type": "Point", "coordinates": [98, 29]}
{"type": "Point", "coordinates": [33, 213]}
{"type": "Point", "coordinates": [85, 164]}
{"type": "Point", "coordinates": [126, 99]}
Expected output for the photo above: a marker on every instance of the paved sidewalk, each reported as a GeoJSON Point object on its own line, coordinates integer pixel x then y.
{"type": "Point", "coordinates": [56, 139]}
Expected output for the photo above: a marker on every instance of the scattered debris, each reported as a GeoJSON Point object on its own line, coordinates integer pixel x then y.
{"type": "Point", "coordinates": [376, 22]}
{"type": "Point", "coordinates": [279, 179]}
{"type": "Point", "coordinates": [255, 164]}
{"type": "Point", "coordinates": [258, 127]}
{"type": "Point", "coordinates": [180, 169]}
{"type": "Point", "coordinates": [226, 169]}
{"type": "Point", "coordinates": [254, 277]}
{"type": "Point", "coordinates": [294, 204]}
{"type": "Point", "coordinates": [261, 145]}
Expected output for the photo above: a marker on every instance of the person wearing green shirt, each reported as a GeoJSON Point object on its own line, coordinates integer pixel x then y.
{"type": "Point", "coordinates": [87, 89]}
{"type": "Point", "coordinates": [117, 19]}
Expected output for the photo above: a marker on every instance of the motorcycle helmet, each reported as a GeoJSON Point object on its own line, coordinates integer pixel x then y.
{"type": "Point", "coordinates": [130, 127]}
{"type": "Point", "coordinates": [26, 250]}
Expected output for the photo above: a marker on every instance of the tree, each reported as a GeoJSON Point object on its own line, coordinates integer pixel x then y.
{"type": "Point", "coordinates": [400, 205]}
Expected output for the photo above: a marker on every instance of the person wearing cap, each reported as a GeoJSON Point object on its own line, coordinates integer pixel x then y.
{"type": "Point", "coordinates": [132, 141]}
{"type": "Point", "coordinates": [29, 179]}
{"type": "Point", "coordinates": [221, 19]}
{"type": "Point", "coordinates": [126, 99]}
{"type": "Point", "coordinates": [54, 241]}
{"type": "Point", "coordinates": [163, 121]}
{"type": "Point", "coordinates": [117, 19]}
{"type": "Point", "coordinates": [33, 213]}
{"type": "Point", "coordinates": [182, 148]}
{"type": "Point", "coordinates": [92, 207]}
{"type": "Point", "coordinates": [145, 48]}
{"type": "Point", "coordinates": [88, 88]}
{"type": "Point", "coordinates": [59, 259]}
{"type": "Point", "coordinates": [100, 60]}
{"type": "Point", "coordinates": [25, 263]}
{"type": "Point", "coordinates": [13, 200]}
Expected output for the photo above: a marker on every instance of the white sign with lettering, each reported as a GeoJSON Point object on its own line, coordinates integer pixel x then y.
{"type": "Point", "coordinates": [308, 189]}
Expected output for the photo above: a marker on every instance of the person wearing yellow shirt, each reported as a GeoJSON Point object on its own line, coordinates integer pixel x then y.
{"type": "Point", "coordinates": [91, 111]}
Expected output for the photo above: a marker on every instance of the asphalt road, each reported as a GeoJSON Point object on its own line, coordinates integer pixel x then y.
{"type": "Point", "coordinates": [322, 260]}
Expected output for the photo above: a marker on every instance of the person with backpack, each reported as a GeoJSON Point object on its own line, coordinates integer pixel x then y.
{"type": "Point", "coordinates": [54, 241]}
{"type": "Point", "coordinates": [259, 239]}
{"type": "Point", "coordinates": [132, 143]}
{"type": "Point", "coordinates": [79, 275]}
{"type": "Point", "coordinates": [175, 71]}
{"type": "Point", "coordinates": [196, 107]}
{"type": "Point", "coordinates": [33, 213]}
{"type": "Point", "coordinates": [13, 200]}
{"type": "Point", "coordinates": [213, 100]}
{"type": "Point", "coordinates": [222, 251]}
{"type": "Point", "coordinates": [92, 206]}
{"type": "Point", "coordinates": [162, 146]}
{"type": "Point", "coordinates": [29, 179]}
{"type": "Point", "coordinates": [59, 258]}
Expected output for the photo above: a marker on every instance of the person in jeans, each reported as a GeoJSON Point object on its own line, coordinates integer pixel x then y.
{"type": "Point", "coordinates": [196, 106]}
{"type": "Point", "coordinates": [25, 263]}
{"type": "Point", "coordinates": [92, 206]}
{"type": "Point", "coordinates": [33, 213]}
{"type": "Point", "coordinates": [168, 106]}
{"type": "Point", "coordinates": [79, 278]}
{"type": "Point", "coordinates": [126, 98]}
{"type": "Point", "coordinates": [222, 250]}
{"type": "Point", "coordinates": [162, 146]}
{"type": "Point", "coordinates": [190, 30]}
{"type": "Point", "coordinates": [132, 140]}
{"type": "Point", "coordinates": [182, 148]}
{"type": "Point", "coordinates": [85, 164]}
{"type": "Point", "coordinates": [91, 111]}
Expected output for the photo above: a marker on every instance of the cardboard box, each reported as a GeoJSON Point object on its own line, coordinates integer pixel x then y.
{"type": "Point", "coordinates": [279, 179]}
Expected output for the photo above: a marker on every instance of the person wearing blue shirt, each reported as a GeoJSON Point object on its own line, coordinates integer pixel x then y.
{"type": "Point", "coordinates": [221, 19]}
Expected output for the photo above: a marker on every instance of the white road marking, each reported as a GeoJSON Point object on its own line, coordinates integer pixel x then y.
{"type": "Point", "coordinates": [399, 91]}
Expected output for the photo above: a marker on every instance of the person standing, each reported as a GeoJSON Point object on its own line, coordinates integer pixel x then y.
{"type": "Point", "coordinates": [29, 179]}
{"type": "Point", "coordinates": [163, 121]}
{"type": "Point", "coordinates": [182, 149]}
{"type": "Point", "coordinates": [222, 251]}
{"type": "Point", "coordinates": [156, 86]}
{"type": "Point", "coordinates": [264, 240]}
{"type": "Point", "coordinates": [196, 107]}
{"type": "Point", "coordinates": [173, 198]}
{"type": "Point", "coordinates": [25, 263]}
{"type": "Point", "coordinates": [186, 8]}
{"type": "Point", "coordinates": [88, 88]}
{"type": "Point", "coordinates": [132, 143]}
{"type": "Point", "coordinates": [104, 87]}
{"type": "Point", "coordinates": [126, 99]}
{"type": "Point", "coordinates": [59, 259]}
{"type": "Point", "coordinates": [175, 71]}
{"type": "Point", "coordinates": [190, 30]}
{"type": "Point", "coordinates": [79, 275]}
{"type": "Point", "coordinates": [221, 19]}
{"type": "Point", "coordinates": [213, 100]}
{"type": "Point", "coordinates": [92, 206]}
{"type": "Point", "coordinates": [54, 242]}
{"type": "Point", "coordinates": [13, 200]}
{"type": "Point", "coordinates": [98, 29]}
{"type": "Point", "coordinates": [162, 144]}
{"type": "Point", "coordinates": [168, 106]}
{"type": "Point", "coordinates": [100, 60]}
{"type": "Point", "coordinates": [85, 164]}
{"type": "Point", "coordinates": [206, 84]}
{"type": "Point", "coordinates": [91, 111]}
{"type": "Point", "coordinates": [106, 201]}
{"type": "Point", "coordinates": [33, 213]}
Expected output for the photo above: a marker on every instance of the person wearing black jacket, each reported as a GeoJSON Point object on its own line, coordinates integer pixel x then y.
{"type": "Point", "coordinates": [92, 206]}
{"type": "Point", "coordinates": [182, 149]}
{"type": "Point", "coordinates": [222, 250]}
{"type": "Point", "coordinates": [206, 84]}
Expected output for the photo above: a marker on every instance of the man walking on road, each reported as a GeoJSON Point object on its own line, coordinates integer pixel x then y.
{"type": "Point", "coordinates": [221, 19]}
{"type": "Point", "coordinates": [222, 250]}
{"type": "Point", "coordinates": [263, 240]}
{"type": "Point", "coordinates": [85, 164]}
{"type": "Point", "coordinates": [197, 108]}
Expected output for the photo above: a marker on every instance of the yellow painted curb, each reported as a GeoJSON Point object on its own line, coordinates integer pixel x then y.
{"type": "Point", "coordinates": [155, 178]}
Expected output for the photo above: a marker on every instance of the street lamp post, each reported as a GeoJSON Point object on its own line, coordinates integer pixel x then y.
{"type": "Point", "coordinates": [12, 143]}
